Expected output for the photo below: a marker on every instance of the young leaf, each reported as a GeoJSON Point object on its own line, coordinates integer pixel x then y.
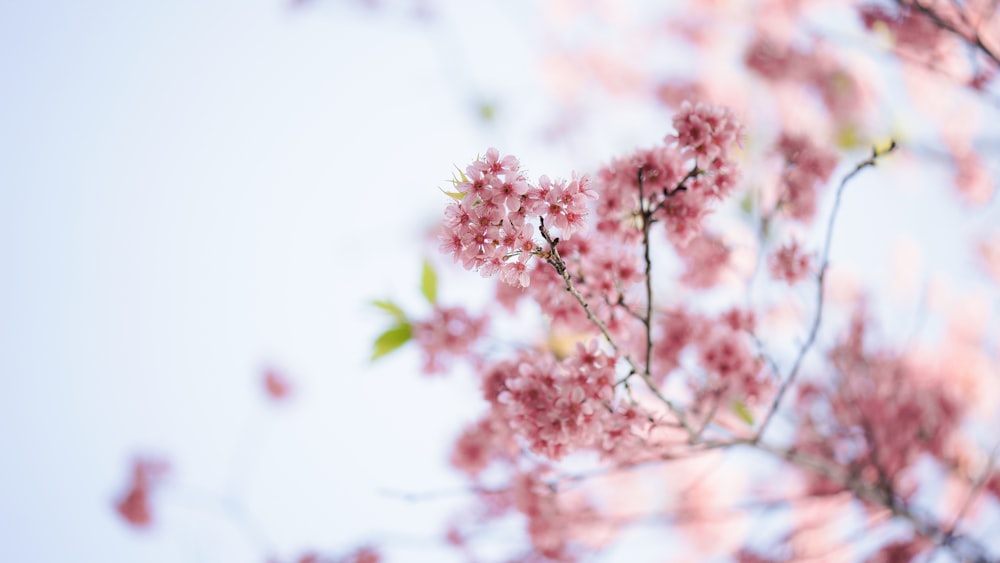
{"type": "Point", "coordinates": [457, 196]}
{"type": "Point", "coordinates": [392, 309]}
{"type": "Point", "coordinates": [428, 283]}
{"type": "Point", "coordinates": [746, 204]}
{"type": "Point", "coordinates": [741, 410]}
{"type": "Point", "coordinates": [487, 111]}
{"type": "Point", "coordinates": [456, 180]}
{"type": "Point", "coordinates": [848, 137]}
{"type": "Point", "coordinates": [392, 339]}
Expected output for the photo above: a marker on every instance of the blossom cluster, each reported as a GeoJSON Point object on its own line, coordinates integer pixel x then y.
{"type": "Point", "coordinates": [912, 31]}
{"type": "Point", "coordinates": [604, 272]}
{"type": "Point", "coordinates": [808, 167]}
{"type": "Point", "coordinates": [789, 263]}
{"type": "Point", "coordinates": [490, 226]}
{"type": "Point", "coordinates": [561, 406]}
{"type": "Point", "coordinates": [134, 505]}
{"type": "Point", "coordinates": [677, 182]}
{"type": "Point", "coordinates": [885, 410]}
{"type": "Point", "coordinates": [549, 516]}
{"type": "Point", "coordinates": [449, 332]}
{"type": "Point", "coordinates": [778, 61]}
{"type": "Point", "coordinates": [720, 348]}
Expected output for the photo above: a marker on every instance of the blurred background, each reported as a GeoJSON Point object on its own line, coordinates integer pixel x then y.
{"type": "Point", "coordinates": [193, 194]}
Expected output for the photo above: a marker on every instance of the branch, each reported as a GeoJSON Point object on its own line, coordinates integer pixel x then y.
{"type": "Point", "coordinates": [556, 261]}
{"type": "Point", "coordinates": [964, 547]}
{"type": "Point", "coordinates": [423, 496]}
{"type": "Point", "coordinates": [825, 262]}
{"type": "Point", "coordinates": [973, 39]}
{"type": "Point", "coordinates": [648, 318]}
{"type": "Point", "coordinates": [974, 491]}
{"type": "Point", "coordinates": [880, 494]}
{"type": "Point", "coordinates": [559, 264]}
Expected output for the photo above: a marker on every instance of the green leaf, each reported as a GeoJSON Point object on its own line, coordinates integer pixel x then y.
{"type": "Point", "coordinates": [487, 112]}
{"type": "Point", "coordinates": [429, 282]}
{"type": "Point", "coordinates": [746, 204]}
{"type": "Point", "coordinates": [848, 137]}
{"type": "Point", "coordinates": [392, 339]}
{"type": "Point", "coordinates": [392, 309]}
{"type": "Point", "coordinates": [457, 196]}
{"type": "Point", "coordinates": [741, 410]}
{"type": "Point", "coordinates": [456, 180]}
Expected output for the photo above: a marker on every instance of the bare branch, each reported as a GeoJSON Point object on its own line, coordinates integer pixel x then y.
{"type": "Point", "coordinates": [825, 262]}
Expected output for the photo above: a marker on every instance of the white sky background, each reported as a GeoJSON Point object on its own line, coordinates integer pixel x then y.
{"type": "Point", "coordinates": [195, 190]}
{"type": "Point", "coordinates": [188, 192]}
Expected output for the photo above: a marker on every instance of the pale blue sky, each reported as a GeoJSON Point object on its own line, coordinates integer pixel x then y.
{"type": "Point", "coordinates": [191, 191]}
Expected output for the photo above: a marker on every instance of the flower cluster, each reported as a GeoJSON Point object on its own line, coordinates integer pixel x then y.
{"type": "Point", "coordinates": [705, 259]}
{"type": "Point", "coordinates": [809, 167]}
{"type": "Point", "coordinates": [481, 443]}
{"type": "Point", "coordinates": [490, 226]}
{"type": "Point", "coordinates": [887, 410]}
{"type": "Point", "coordinates": [789, 263]}
{"type": "Point", "coordinates": [677, 182]}
{"type": "Point", "coordinates": [815, 68]}
{"type": "Point", "coordinates": [602, 272]}
{"type": "Point", "coordinates": [913, 32]}
{"type": "Point", "coordinates": [277, 387]}
{"type": "Point", "coordinates": [449, 332]}
{"type": "Point", "coordinates": [550, 517]}
{"type": "Point", "coordinates": [706, 133]}
{"type": "Point", "coordinates": [560, 406]}
{"type": "Point", "coordinates": [553, 405]}
{"type": "Point", "coordinates": [732, 369]}
{"type": "Point", "coordinates": [722, 352]}
{"type": "Point", "coordinates": [134, 506]}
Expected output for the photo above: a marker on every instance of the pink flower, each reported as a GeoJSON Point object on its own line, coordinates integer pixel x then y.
{"type": "Point", "coordinates": [705, 258]}
{"type": "Point", "coordinates": [516, 272]}
{"type": "Point", "coordinates": [789, 263]}
{"type": "Point", "coordinates": [483, 442]}
{"type": "Point", "coordinates": [556, 407]}
{"type": "Point", "coordinates": [675, 329]}
{"type": "Point", "coordinates": [450, 332]}
{"type": "Point", "coordinates": [366, 554]}
{"type": "Point", "coordinates": [134, 506]}
{"type": "Point", "coordinates": [706, 132]}
{"type": "Point", "coordinates": [682, 214]}
{"type": "Point", "coordinates": [809, 167]}
{"type": "Point", "coordinates": [491, 227]}
{"type": "Point", "coordinates": [277, 386]}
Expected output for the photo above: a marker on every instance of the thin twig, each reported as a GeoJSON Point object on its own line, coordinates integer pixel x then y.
{"type": "Point", "coordinates": [421, 496]}
{"type": "Point", "coordinates": [825, 262]}
{"type": "Point", "coordinates": [559, 264]}
{"type": "Point", "coordinates": [974, 491]}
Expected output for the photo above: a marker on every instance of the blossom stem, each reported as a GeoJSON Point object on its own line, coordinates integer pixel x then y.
{"type": "Point", "coordinates": [648, 317]}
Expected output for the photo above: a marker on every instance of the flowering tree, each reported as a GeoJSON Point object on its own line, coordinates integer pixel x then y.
{"type": "Point", "coordinates": [670, 349]}
{"type": "Point", "coordinates": [671, 343]}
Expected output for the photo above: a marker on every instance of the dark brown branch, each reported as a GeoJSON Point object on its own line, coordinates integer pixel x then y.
{"type": "Point", "coordinates": [648, 317]}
